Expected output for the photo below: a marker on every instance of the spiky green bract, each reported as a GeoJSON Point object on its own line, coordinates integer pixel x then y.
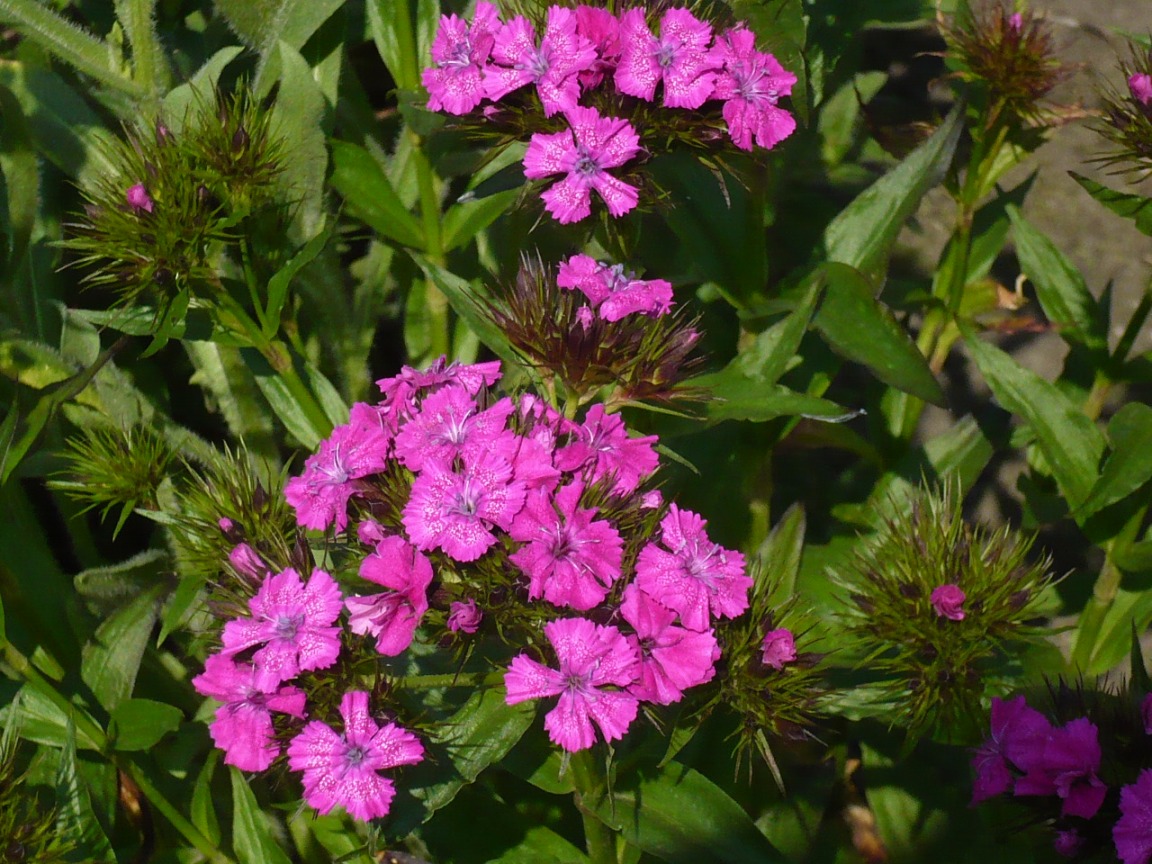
{"type": "Point", "coordinates": [250, 495]}
{"type": "Point", "coordinates": [1008, 59]}
{"type": "Point", "coordinates": [28, 830]}
{"type": "Point", "coordinates": [1126, 124]}
{"type": "Point", "coordinates": [639, 358]}
{"type": "Point", "coordinates": [936, 672]}
{"type": "Point", "coordinates": [110, 467]}
{"type": "Point", "coordinates": [201, 182]}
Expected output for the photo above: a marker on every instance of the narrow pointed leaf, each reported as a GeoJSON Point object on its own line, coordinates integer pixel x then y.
{"type": "Point", "coordinates": [1129, 466]}
{"type": "Point", "coordinates": [75, 817]}
{"type": "Point", "coordinates": [251, 835]}
{"type": "Point", "coordinates": [111, 659]}
{"type": "Point", "coordinates": [369, 196]}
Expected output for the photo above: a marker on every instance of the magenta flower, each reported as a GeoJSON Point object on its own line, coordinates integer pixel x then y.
{"type": "Point", "coordinates": [401, 391]}
{"type": "Point", "coordinates": [1068, 768]}
{"type": "Point", "coordinates": [343, 769]}
{"type": "Point", "coordinates": [591, 658]}
{"type": "Point", "coordinates": [243, 724]}
{"type": "Point", "coordinates": [751, 83]}
{"type": "Point", "coordinates": [1019, 734]}
{"type": "Point", "coordinates": [602, 29]}
{"type": "Point", "coordinates": [584, 154]}
{"type": "Point", "coordinates": [778, 648]}
{"type": "Point", "coordinates": [449, 424]}
{"type": "Point", "coordinates": [357, 449]}
{"type": "Point", "coordinates": [692, 575]}
{"type": "Point", "coordinates": [603, 449]}
{"type": "Point", "coordinates": [455, 509]}
{"type": "Point", "coordinates": [138, 198]}
{"type": "Point", "coordinates": [947, 601]}
{"type": "Point", "coordinates": [391, 616]}
{"type": "Point", "coordinates": [460, 52]}
{"type": "Point", "coordinates": [464, 616]}
{"type": "Point", "coordinates": [613, 291]}
{"type": "Point", "coordinates": [680, 58]}
{"type": "Point", "coordinates": [1132, 833]}
{"type": "Point", "coordinates": [570, 559]}
{"type": "Point", "coordinates": [552, 66]}
{"type": "Point", "coordinates": [293, 624]}
{"type": "Point", "coordinates": [672, 659]}
{"type": "Point", "coordinates": [1139, 85]}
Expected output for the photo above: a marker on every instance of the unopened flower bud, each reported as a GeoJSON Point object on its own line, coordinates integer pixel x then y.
{"type": "Point", "coordinates": [778, 648]}
{"type": "Point", "coordinates": [247, 562]}
{"type": "Point", "coordinates": [1140, 86]}
{"type": "Point", "coordinates": [464, 617]}
{"type": "Point", "coordinates": [947, 600]}
{"type": "Point", "coordinates": [138, 198]}
{"type": "Point", "coordinates": [370, 532]}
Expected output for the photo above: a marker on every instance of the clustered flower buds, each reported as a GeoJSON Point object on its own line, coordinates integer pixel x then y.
{"type": "Point", "coordinates": [619, 64]}
{"type": "Point", "coordinates": [1088, 776]}
{"type": "Point", "coordinates": [470, 513]}
{"type": "Point", "coordinates": [1127, 117]}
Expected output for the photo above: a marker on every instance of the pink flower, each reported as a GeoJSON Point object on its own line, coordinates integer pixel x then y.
{"type": "Point", "coordinates": [1132, 833]}
{"type": "Point", "coordinates": [947, 600]}
{"type": "Point", "coordinates": [1140, 86]}
{"type": "Point", "coordinates": [672, 659]}
{"type": "Point", "coordinates": [455, 509]}
{"type": "Point", "coordinates": [591, 658]}
{"type": "Point", "coordinates": [778, 648]}
{"type": "Point", "coordinates": [401, 391]}
{"type": "Point", "coordinates": [570, 559]}
{"type": "Point", "coordinates": [614, 291]}
{"type": "Point", "coordinates": [553, 66]}
{"type": "Point", "coordinates": [603, 449]}
{"type": "Point", "coordinates": [464, 617]}
{"type": "Point", "coordinates": [1017, 743]}
{"type": "Point", "coordinates": [343, 769]}
{"type": "Point", "coordinates": [357, 449]}
{"type": "Point", "coordinates": [391, 616]}
{"type": "Point", "coordinates": [751, 83]}
{"type": "Point", "coordinates": [693, 575]}
{"type": "Point", "coordinates": [1068, 768]}
{"type": "Point", "coordinates": [602, 29]}
{"type": "Point", "coordinates": [584, 154]}
{"type": "Point", "coordinates": [293, 624]}
{"type": "Point", "coordinates": [1015, 23]}
{"type": "Point", "coordinates": [460, 52]}
{"type": "Point", "coordinates": [247, 562]}
{"type": "Point", "coordinates": [138, 198]}
{"type": "Point", "coordinates": [243, 724]}
{"type": "Point", "coordinates": [680, 58]}
{"type": "Point", "coordinates": [449, 424]}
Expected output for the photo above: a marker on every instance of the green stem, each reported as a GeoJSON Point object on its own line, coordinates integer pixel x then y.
{"type": "Point", "coordinates": [588, 778]}
{"type": "Point", "coordinates": [464, 679]}
{"type": "Point", "coordinates": [175, 818]}
{"type": "Point", "coordinates": [278, 357]}
{"type": "Point", "coordinates": [1092, 618]}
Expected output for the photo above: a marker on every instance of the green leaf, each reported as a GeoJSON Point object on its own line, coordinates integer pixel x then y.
{"type": "Point", "coordinates": [251, 834]}
{"type": "Point", "coordinates": [75, 817]}
{"type": "Point", "coordinates": [542, 846]}
{"type": "Point", "coordinates": [203, 812]}
{"type": "Point", "coordinates": [262, 24]}
{"type": "Point", "coordinates": [739, 398]}
{"type": "Point", "coordinates": [1129, 609]}
{"type": "Point", "coordinates": [390, 22]}
{"type": "Point", "coordinates": [1129, 466]}
{"type": "Point", "coordinates": [1059, 285]}
{"type": "Point", "coordinates": [463, 221]}
{"type": "Point", "coordinates": [199, 87]}
{"type": "Point", "coordinates": [680, 816]}
{"type": "Point", "coordinates": [294, 417]}
{"type": "Point", "coordinates": [862, 235]}
{"type": "Point", "coordinates": [282, 278]}
{"type": "Point", "coordinates": [469, 300]}
{"type": "Point", "coordinates": [1070, 442]}
{"type": "Point", "coordinates": [297, 119]}
{"type": "Point", "coordinates": [1134, 207]}
{"type": "Point", "coordinates": [138, 724]}
{"type": "Point", "coordinates": [111, 659]}
{"type": "Point", "coordinates": [149, 65]}
{"type": "Point", "coordinates": [859, 327]}
{"type": "Point", "coordinates": [42, 721]}
{"type": "Point", "coordinates": [369, 196]}
{"type": "Point", "coordinates": [1137, 669]}
{"type": "Point", "coordinates": [770, 355]}
{"type": "Point", "coordinates": [777, 562]}
{"type": "Point", "coordinates": [21, 193]}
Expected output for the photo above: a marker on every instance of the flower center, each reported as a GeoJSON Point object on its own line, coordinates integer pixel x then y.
{"type": "Point", "coordinates": [335, 473]}
{"type": "Point", "coordinates": [354, 756]}
{"type": "Point", "coordinates": [585, 164]}
{"type": "Point", "coordinates": [287, 626]}
{"type": "Point", "coordinates": [461, 55]}
{"type": "Point", "coordinates": [665, 54]}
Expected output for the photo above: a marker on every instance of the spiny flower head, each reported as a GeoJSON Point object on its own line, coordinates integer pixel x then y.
{"type": "Point", "coordinates": [1127, 117]}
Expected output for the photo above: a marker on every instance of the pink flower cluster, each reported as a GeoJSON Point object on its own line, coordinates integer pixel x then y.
{"type": "Point", "coordinates": [486, 479]}
{"type": "Point", "coordinates": [589, 48]}
{"type": "Point", "coordinates": [613, 292]}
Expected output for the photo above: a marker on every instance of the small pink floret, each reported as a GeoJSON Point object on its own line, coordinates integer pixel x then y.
{"type": "Point", "coordinates": [778, 648]}
{"type": "Point", "coordinates": [1140, 86]}
{"type": "Point", "coordinates": [138, 198]}
{"type": "Point", "coordinates": [947, 601]}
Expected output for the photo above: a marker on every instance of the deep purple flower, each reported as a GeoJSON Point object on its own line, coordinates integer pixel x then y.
{"type": "Point", "coordinates": [584, 154]}
{"type": "Point", "coordinates": [691, 574]}
{"type": "Point", "coordinates": [1019, 734]}
{"type": "Point", "coordinates": [1132, 833]}
{"type": "Point", "coordinates": [947, 601]}
{"type": "Point", "coordinates": [1068, 769]}
{"type": "Point", "coordinates": [778, 648]}
{"type": "Point", "coordinates": [603, 448]}
{"type": "Point", "coordinates": [455, 509]}
{"type": "Point", "coordinates": [570, 559]}
{"type": "Point", "coordinates": [613, 291]}
{"type": "Point", "coordinates": [680, 58]}
{"type": "Point", "coordinates": [672, 659]}
{"type": "Point", "coordinates": [460, 52]}
{"type": "Point", "coordinates": [464, 616]}
{"type": "Point", "coordinates": [243, 724]}
{"type": "Point", "coordinates": [391, 616]}
{"type": "Point", "coordinates": [751, 83]}
{"type": "Point", "coordinates": [1140, 86]}
{"type": "Point", "coordinates": [449, 424]}
{"type": "Point", "coordinates": [591, 658]}
{"type": "Point", "coordinates": [553, 65]}
{"type": "Point", "coordinates": [138, 198]}
{"type": "Point", "coordinates": [292, 621]}
{"type": "Point", "coordinates": [356, 449]}
{"type": "Point", "coordinates": [343, 769]}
